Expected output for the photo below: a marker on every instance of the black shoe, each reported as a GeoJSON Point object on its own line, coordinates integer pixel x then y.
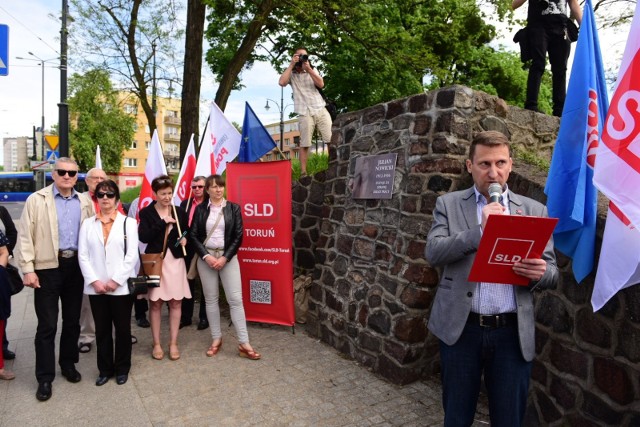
{"type": "Point", "coordinates": [84, 347]}
{"type": "Point", "coordinates": [44, 391]}
{"type": "Point", "coordinates": [143, 323]}
{"type": "Point", "coordinates": [121, 379]}
{"type": "Point", "coordinates": [8, 354]}
{"type": "Point", "coordinates": [102, 380]}
{"type": "Point", "coordinates": [184, 323]}
{"type": "Point", "coordinates": [203, 324]}
{"type": "Point", "coordinates": [72, 375]}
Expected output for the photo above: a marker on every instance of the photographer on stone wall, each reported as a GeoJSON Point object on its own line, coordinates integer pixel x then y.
{"type": "Point", "coordinates": [308, 102]}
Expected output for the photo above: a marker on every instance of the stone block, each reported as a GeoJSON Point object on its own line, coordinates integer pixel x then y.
{"type": "Point", "coordinates": [373, 114]}
{"type": "Point", "coordinates": [411, 329]}
{"type": "Point", "coordinates": [344, 244]}
{"type": "Point", "coordinates": [445, 97]}
{"type": "Point", "coordinates": [597, 408]}
{"type": "Point", "coordinates": [299, 193]}
{"type": "Point", "coordinates": [497, 124]}
{"type": "Point", "coordinates": [449, 144]}
{"type": "Point", "coordinates": [301, 240]}
{"type": "Point", "coordinates": [344, 287]}
{"type": "Point", "coordinates": [628, 343]}
{"type": "Point", "coordinates": [387, 140]}
{"type": "Point", "coordinates": [363, 315]}
{"type": "Point", "coordinates": [363, 248]}
{"type": "Point", "coordinates": [397, 374]}
{"type": "Point", "coordinates": [454, 123]}
{"type": "Point", "coordinates": [415, 184]}
{"type": "Point", "coordinates": [337, 323]}
{"type": "Point", "coordinates": [369, 342]}
{"type": "Point", "coordinates": [539, 372]}
{"type": "Point", "coordinates": [422, 124]}
{"type": "Point", "coordinates": [305, 259]}
{"type": "Point", "coordinates": [354, 216]}
{"type": "Point", "coordinates": [380, 322]}
{"type": "Point", "coordinates": [420, 274]}
{"type": "Point", "coordinates": [328, 278]}
{"type": "Point", "coordinates": [418, 103]}
{"type": "Point", "coordinates": [438, 184]}
{"type": "Point", "coordinates": [382, 254]}
{"type": "Point", "coordinates": [419, 146]}
{"type": "Point", "coordinates": [375, 298]}
{"type": "Point", "coordinates": [548, 410]}
{"type": "Point", "coordinates": [415, 250]}
{"type": "Point", "coordinates": [592, 329]}
{"type": "Point", "coordinates": [564, 392]}
{"type": "Point", "coordinates": [401, 353]}
{"type": "Point", "coordinates": [418, 298]}
{"type": "Point", "coordinates": [552, 312]}
{"type": "Point", "coordinates": [569, 361]}
{"type": "Point", "coordinates": [612, 378]}
{"type": "Point", "coordinates": [390, 284]}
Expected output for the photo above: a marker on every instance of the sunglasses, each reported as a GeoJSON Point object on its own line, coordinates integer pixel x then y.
{"type": "Point", "coordinates": [193, 187]}
{"type": "Point", "coordinates": [110, 195]}
{"type": "Point", "coordinates": [63, 172]}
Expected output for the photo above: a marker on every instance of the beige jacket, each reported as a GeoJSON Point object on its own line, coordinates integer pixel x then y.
{"type": "Point", "coordinates": [38, 242]}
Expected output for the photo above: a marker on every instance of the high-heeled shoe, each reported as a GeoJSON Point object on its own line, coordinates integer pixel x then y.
{"type": "Point", "coordinates": [249, 354]}
{"type": "Point", "coordinates": [214, 349]}
{"type": "Point", "coordinates": [174, 355]}
{"type": "Point", "coordinates": [157, 352]}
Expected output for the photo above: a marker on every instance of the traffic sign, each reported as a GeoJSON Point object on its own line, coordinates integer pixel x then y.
{"type": "Point", "coordinates": [4, 49]}
{"type": "Point", "coordinates": [52, 156]}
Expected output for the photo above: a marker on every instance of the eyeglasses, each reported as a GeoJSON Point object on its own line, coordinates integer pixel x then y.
{"type": "Point", "coordinates": [110, 195]}
{"type": "Point", "coordinates": [193, 187]}
{"type": "Point", "coordinates": [63, 172]}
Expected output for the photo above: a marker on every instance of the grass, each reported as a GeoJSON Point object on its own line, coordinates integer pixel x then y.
{"type": "Point", "coordinates": [317, 162]}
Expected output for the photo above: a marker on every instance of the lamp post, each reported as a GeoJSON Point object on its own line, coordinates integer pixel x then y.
{"type": "Point", "coordinates": [42, 62]}
{"type": "Point", "coordinates": [281, 108]}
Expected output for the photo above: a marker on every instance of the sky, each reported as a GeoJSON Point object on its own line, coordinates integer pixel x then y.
{"type": "Point", "coordinates": [34, 27]}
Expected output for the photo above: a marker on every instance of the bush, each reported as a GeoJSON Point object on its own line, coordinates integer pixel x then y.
{"type": "Point", "coordinates": [128, 195]}
{"type": "Point", "coordinates": [317, 162]}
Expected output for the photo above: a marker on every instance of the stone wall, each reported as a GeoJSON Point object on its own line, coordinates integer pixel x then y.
{"type": "Point", "coordinates": [372, 288]}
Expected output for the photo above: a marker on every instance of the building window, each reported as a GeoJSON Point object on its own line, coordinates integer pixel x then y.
{"type": "Point", "coordinates": [287, 142]}
{"type": "Point", "coordinates": [135, 127]}
{"type": "Point", "coordinates": [130, 163]}
{"type": "Point", "coordinates": [172, 130]}
{"type": "Point", "coordinates": [171, 113]}
{"type": "Point", "coordinates": [297, 154]}
{"type": "Point", "coordinates": [134, 145]}
{"type": "Point", "coordinates": [131, 109]}
{"type": "Point", "coordinates": [146, 145]}
{"type": "Point", "coordinates": [147, 129]}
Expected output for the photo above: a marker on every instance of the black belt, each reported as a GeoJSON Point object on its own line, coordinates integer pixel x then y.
{"type": "Point", "coordinates": [493, 320]}
{"type": "Point", "coordinates": [67, 253]}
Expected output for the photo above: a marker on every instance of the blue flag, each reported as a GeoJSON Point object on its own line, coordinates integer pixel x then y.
{"type": "Point", "coordinates": [256, 141]}
{"type": "Point", "coordinates": [571, 195]}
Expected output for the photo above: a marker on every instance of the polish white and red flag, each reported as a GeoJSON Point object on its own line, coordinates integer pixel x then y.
{"type": "Point", "coordinates": [220, 146]}
{"type": "Point", "coordinates": [154, 168]}
{"type": "Point", "coordinates": [617, 175]}
{"type": "Point", "coordinates": [187, 172]}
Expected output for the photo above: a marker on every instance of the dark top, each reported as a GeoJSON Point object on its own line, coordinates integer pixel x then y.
{"type": "Point", "coordinates": [551, 14]}
{"type": "Point", "coordinates": [233, 229]}
{"type": "Point", "coordinates": [152, 230]}
{"type": "Point", "coordinates": [10, 229]}
{"type": "Point", "coordinates": [5, 288]}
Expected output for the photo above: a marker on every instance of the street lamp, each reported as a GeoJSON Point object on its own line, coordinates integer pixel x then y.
{"type": "Point", "coordinates": [41, 61]}
{"type": "Point", "coordinates": [281, 108]}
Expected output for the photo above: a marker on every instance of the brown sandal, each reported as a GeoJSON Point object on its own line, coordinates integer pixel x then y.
{"type": "Point", "coordinates": [213, 349]}
{"type": "Point", "coordinates": [157, 352]}
{"type": "Point", "coordinates": [249, 354]}
{"type": "Point", "coordinates": [174, 355]}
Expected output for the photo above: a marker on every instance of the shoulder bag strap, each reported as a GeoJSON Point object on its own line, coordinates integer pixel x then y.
{"type": "Point", "coordinates": [125, 236]}
{"type": "Point", "coordinates": [213, 228]}
{"type": "Point", "coordinates": [164, 245]}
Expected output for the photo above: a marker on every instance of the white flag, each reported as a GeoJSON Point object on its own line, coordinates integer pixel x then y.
{"type": "Point", "coordinates": [617, 175]}
{"type": "Point", "coordinates": [98, 158]}
{"type": "Point", "coordinates": [221, 144]}
{"type": "Point", "coordinates": [187, 172]}
{"type": "Point", "coordinates": [154, 168]}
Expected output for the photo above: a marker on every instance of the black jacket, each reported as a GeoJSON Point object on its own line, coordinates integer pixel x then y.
{"type": "Point", "coordinates": [232, 229]}
{"type": "Point", "coordinates": [152, 229]}
{"type": "Point", "coordinates": [10, 228]}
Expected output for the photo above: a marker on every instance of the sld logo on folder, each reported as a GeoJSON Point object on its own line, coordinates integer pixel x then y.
{"type": "Point", "coordinates": [508, 239]}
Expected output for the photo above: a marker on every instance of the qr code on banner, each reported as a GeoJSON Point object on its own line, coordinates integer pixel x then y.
{"type": "Point", "coordinates": [260, 291]}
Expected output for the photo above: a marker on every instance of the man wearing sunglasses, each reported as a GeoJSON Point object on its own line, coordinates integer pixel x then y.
{"type": "Point", "coordinates": [47, 254]}
{"type": "Point", "coordinates": [189, 205]}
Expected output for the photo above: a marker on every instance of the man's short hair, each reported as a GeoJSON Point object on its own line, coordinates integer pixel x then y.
{"type": "Point", "coordinates": [65, 160]}
{"type": "Point", "coordinates": [489, 138]}
{"type": "Point", "coordinates": [199, 178]}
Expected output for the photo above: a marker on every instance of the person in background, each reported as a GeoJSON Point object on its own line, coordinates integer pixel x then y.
{"type": "Point", "coordinates": [216, 233]}
{"type": "Point", "coordinates": [156, 220]}
{"type": "Point", "coordinates": [47, 254]}
{"type": "Point", "coordinates": [108, 255]}
{"type": "Point", "coordinates": [547, 33]}
{"type": "Point", "coordinates": [189, 205]}
{"type": "Point", "coordinates": [9, 229]}
{"type": "Point", "coordinates": [140, 306]}
{"type": "Point", "coordinates": [5, 300]}
{"type": "Point", "coordinates": [307, 102]}
{"type": "Point", "coordinates": [485, 329]}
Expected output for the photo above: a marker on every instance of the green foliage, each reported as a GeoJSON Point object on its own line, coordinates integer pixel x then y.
{"type": "Point", "coordinates": [97, 120]}
{"type": "Point", "coordinates": [129, 194]}
{"type": "Point", "coordinates": [531, 158]}
{"type": "Point", "coordinates": [316, 162]}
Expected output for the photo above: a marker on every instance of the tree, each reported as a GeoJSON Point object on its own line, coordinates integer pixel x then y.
{"type": "Point", "coordinates": [135, 41]}
{"type": "Point", "coordinates": [192, 73]}
{"type": "Point", "coordinates": [369, 51]}
{"type": "Point", "coordinates": [97, 119]}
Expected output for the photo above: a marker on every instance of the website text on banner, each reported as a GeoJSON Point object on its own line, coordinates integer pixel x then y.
{"type": "Point", "coordinates": [263, 191]}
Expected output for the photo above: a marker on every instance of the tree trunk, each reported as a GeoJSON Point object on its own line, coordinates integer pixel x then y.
{"type": "Point", "coordinates": [244, 51]}
{"type": "Point", "coordinates": [192, 76]}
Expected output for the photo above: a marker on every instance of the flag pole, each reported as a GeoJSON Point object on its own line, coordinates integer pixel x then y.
{"type": "Point", "coordinates": [184, 251]}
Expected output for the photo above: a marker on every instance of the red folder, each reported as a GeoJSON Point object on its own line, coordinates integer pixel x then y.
{"type": "Point", "coordinates": [506, 240]}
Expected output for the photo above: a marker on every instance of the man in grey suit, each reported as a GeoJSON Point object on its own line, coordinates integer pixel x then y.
{"type": "Point", "coordinates": [484, 328]}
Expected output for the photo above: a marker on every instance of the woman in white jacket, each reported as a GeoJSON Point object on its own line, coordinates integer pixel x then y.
{"type": "Point", "coordinates": [106, 265]}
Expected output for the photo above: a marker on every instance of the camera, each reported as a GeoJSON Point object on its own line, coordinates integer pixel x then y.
{"type": "Point", "coordinates": [302, 59]}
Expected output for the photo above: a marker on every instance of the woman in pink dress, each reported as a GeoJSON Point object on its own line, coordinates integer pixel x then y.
{"type": "Point", "coordinates": [156, 220]}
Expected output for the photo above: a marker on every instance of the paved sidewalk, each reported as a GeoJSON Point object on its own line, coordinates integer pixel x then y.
{"type": "Point", "coordinates": [299, 382]}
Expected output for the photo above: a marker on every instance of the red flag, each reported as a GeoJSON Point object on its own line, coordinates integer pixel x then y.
{"type": "Point", "coordinates": [187, 172]}
{"type": "Point", "coordinates": [154, 168]}
{"type": "Point", "coordinates": [617, 175]}
{"type": "Point", "coordinates": [221, 144]}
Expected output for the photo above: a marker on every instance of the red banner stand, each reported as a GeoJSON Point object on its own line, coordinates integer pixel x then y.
{"type": "Point", "coordinates": [263, 191]}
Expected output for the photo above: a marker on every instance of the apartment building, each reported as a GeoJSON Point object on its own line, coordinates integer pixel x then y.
{"type": "Point", "coordinates": [17, 152]}
{"type": "Point", "coordinates": [168, 124]}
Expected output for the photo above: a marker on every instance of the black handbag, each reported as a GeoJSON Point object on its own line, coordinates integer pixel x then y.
{"type": "Point", "coordinates": [15, 279]}
{"type": "Point", "coordinates": [572, 31]}
{"type": "Point", "coordinates": [330, 105]}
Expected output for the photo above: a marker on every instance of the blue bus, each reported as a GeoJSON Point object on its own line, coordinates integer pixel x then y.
{"type": "Point", "coordinates": [17, 186]}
